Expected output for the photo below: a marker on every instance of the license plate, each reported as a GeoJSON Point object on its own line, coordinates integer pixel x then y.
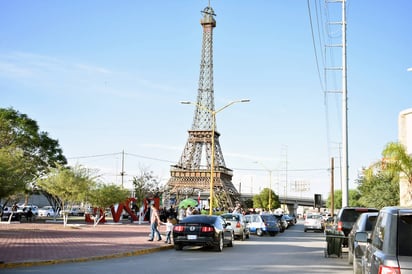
{"type": "Point", "coordinates": [191, 237]}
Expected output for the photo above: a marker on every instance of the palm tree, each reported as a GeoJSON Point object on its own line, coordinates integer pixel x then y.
{"type": "Point", "coordinates": [396, 160]}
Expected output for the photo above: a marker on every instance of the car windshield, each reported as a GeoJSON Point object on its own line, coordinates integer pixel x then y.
{"type": "Point", "coordinates": [405, 235]}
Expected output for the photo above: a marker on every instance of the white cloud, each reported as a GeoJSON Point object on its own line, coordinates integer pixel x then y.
{"type": "Point", "coordinates": [50, 75]}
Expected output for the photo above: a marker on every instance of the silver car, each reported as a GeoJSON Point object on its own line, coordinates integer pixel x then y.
{"type": "Point", "coordinates": [365, 223]}
{"type": "Point", "coordinates": [241, 231]}
{"type": "Point", "coordinates": [389, 250]}
{"type": "Point", "coordinates": [314, 222]}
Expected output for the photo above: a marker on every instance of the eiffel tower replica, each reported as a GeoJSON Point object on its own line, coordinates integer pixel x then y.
{"type": "Point", "coordinates": [192, 174]}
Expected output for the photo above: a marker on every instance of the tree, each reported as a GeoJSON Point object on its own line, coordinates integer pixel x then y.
{"type": "Point", "coordinates": [68, 185]}
{"type": "Point", "coordinates": [104, 196]}
{"type": "Point", "coordinates": [262, 200]}
{"type": "Point", "coordinates": [378, 190]}
{"type": "Point", "coordinates": [398, 162]}
{"type": "Point", "coordinates": [354, 196]}
{"type": "Point", "coordinates": [21, 139]}
{"type": "Point", "coordinates": [145, 184]}
{"type": "Point", "coordinates": [12, 172]}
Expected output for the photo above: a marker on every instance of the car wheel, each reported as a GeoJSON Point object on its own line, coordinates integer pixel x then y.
{"type": "Point", "coordinates": [178, 247]}
{"type": "Point", "coordinates": [219, 247]}
{"type": "Point", "coordinates": [230, 244]}
{"type": "Point", "coordinates": [350, 257]}
{"type": "Point", "coordinates": [243, 236]}
{"type": "Point", "coordinates": [356, 269]}
{"type": "Point", "coordinates": [259, 232]}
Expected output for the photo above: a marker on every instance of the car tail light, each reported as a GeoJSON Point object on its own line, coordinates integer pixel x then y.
{"type": "Point", "coordinates": [207, 229]}
{"type": "Point", "coordinates": [340, 226]}
{"type": "Point", "coordinates": [389, 270]}
{"type": "Point", "coordinates": [238, 225]}
{"type": "Point", "coordinates": [178, 228]}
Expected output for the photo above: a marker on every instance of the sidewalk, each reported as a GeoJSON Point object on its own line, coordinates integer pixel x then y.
{"type": "Point", "coordinates": [28, 244]}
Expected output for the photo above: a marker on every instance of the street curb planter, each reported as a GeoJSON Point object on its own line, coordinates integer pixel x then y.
{"type": "Point", "coordinates": [334, 239]}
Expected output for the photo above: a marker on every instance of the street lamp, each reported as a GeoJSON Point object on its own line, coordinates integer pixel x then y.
{"type": "Point", "coordinates": [270, 183]}
{"type": "Point", "coordinates": [212, 159]}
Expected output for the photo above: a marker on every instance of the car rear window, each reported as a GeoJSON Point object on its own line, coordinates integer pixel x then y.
{"type": "Point", "coordinates": [351, 215]}
{"type": "Point", "coordinates": [268, 218]}
{"type": "Point", "coordinates": [205, 219]}
{"type": "Point", "coordinates": [231, 217]}
{"type": "Point", "coordinates": [405, 235]}
{"type": "Point", "coordinates": [313, 216]}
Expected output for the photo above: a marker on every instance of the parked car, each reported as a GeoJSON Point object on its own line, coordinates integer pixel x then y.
{"type": "Point", "coordinates": [203, 230]}
{"type": "Point", "coordinates": [241, 231]}
{"type": "Point", "coordinates": [46, 211]}
{"type": "Point", "coordinates": [291, 219]}
{"type": "Point", "coordinates": [262, 224]}
{"type": "Point", "coordinates": [24, 209]}
{"type": "Point", "coordinates": [28, 212]}
{"type": "Point", "coordinates": [346, 217]}
{"type": "Point", "coordinates": [314, 222]}
{"type": "Point", "coordinates": [283, 223]}
{"type": "Point", "coordinates": [389, 249]}
{"type": "Point", "coordinates": [76, 211]}
{"type": "Point", "coordinates": [365, 223]}
{"type": "Point", "coordinates": [7, 211]}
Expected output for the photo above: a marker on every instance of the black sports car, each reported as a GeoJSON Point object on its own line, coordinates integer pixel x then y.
{"type": "Point", "coordinates": [203, 230]}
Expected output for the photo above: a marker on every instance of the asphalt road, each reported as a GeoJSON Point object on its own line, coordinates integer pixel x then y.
{"type": "Point", "coordinates": [290, 252]}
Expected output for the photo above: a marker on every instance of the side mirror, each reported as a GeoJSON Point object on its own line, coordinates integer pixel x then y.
{"type": "Point", "coordinates": [361, 237]}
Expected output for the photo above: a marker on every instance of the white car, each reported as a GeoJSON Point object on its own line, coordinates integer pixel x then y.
{"type": "Point", "coordinates": [46, 211]}
{"type": "Point", "coordinates": [314, 222]}
{"type": "Point", "coordinates": [25, 209]}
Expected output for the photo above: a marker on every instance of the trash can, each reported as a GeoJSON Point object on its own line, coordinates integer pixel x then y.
{"type": "Point", "coordinates": [334, 239]}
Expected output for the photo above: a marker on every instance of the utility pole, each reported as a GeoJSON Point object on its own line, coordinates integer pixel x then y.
{"type": "Point", "coordinates": [343, 68]}
{"type": "Point", "coordinates": [345, 188]}
{"type": "Point", "coordinates": [332, 188]}
{"type": "Point", "coordinates": [122, 172]}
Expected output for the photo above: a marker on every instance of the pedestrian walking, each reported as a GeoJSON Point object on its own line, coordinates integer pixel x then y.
{"type": "Point", "coordinates": [154, 223]}
{"type": "Point", "coordinates": [169, 229]}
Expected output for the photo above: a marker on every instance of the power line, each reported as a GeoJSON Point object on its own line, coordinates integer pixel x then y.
{"type": "Point", "coordinates": [150, 158]}
{"type": "Point", "coordinates": [95, 156]}
{"type": "Point", "coordinates": [314, 46]}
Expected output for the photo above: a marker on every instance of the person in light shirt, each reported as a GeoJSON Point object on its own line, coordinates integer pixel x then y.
{"type": "Point", "coordinates": [154, 222]}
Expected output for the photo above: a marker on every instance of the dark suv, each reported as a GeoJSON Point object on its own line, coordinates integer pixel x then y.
{"type": "Point", "coordinates": [389, 249]}
{"type": "Point", "coordinates": [347, 217]}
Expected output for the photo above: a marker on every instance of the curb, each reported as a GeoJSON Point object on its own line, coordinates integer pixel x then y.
{"type": "Point", "coordinates": [85, 259]}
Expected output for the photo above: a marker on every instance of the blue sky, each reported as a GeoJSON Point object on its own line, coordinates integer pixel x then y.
{"type": "Point", "coordinates": [107, 76]}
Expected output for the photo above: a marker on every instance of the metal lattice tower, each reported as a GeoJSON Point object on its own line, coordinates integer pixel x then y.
{"type": "Point", "coordinates": [192, 174]}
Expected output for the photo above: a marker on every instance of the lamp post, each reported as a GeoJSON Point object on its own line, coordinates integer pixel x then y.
{"type": "Point", "coordinates": [212, 158]}
{"type": "Point", "coordinates": [270, 183]}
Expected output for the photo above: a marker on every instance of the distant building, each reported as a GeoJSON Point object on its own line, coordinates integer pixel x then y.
{"type": "Point", "coordinates": [405, 138]}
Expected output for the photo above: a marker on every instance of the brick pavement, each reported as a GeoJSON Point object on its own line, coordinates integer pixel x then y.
{"type": "Point", "coordinates": [27, 244]}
